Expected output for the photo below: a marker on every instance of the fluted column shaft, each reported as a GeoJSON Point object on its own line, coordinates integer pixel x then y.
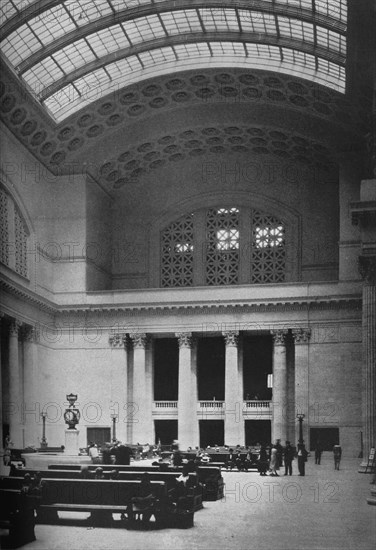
{"type": "Point", "coordinates": [142, 421]}
{"type": "Point", "coordinates": [369, 366]}
{"type": "Point", "coordinates": [31, 406]}
{"type": "Point", "coordinates": [187, 399]}
{"type": "Point", "coordinates": [233, 399]}
{"type": "Point", "coordinates": [119, 385]}
{"type": "Point", "coordinates": [301, 338]}
{"type": "Point", "coordinates": [279, 422]}
{"type": "Point", "coordinates": [1, 390]}
{"type": "Point", "coordinates": [15, 397]}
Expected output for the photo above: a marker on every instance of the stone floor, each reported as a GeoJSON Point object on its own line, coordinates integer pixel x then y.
{"type": "Point", "coordinates": [325, 510]}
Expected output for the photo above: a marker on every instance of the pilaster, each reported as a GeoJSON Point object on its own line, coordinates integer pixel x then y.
{"type": "Point", "coordinates": [31, 404]}
{"type": "Point", "coordinates": [15, 394]}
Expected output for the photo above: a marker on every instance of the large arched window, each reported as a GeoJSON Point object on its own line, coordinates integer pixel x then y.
{"type": "Point", "coordinates": [223, 246]}
{"type": "Point", "coordinates": [14, 235]}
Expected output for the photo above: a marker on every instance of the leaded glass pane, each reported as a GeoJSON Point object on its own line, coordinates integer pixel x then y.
{"type": "Point", "coordinates": [4, 229]}
{"type": "Point", "coordinates": [177, 253]}
{"type": "Point", "coordinates": [222, 246]}
{"type": "Point", "coordinates": [20, 244]}
{"type": "Point", "coordinates": [268, 254]}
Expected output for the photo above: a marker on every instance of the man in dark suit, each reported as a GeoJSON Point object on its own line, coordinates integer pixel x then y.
{"type": "Point", "coordinates": [288, 456]}
{"type": "Point", "coordinates": [302, 458]}
{"type": "Point", "coordinates": [123, 455]}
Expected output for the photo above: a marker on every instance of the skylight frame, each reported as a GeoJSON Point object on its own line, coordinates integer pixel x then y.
{"type": "Point", "coordinates": [150, 30]}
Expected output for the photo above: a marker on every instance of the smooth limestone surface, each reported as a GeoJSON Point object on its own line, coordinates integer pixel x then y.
{"type": "Point", "coordinates": [324, 510]}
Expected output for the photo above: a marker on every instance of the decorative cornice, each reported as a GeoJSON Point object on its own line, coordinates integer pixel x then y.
{"type": "Point", "coordinates": [185, 339]}
{"type": "Point", "coordinates": [118, 340]}
{"type": "Point", "coordinates": [279, 337]}
{"type": "Point", "coordinates": [139, 340]}
{"type": "Point", "coordinates": [29, 296]}
{"type": "Point", "coordinates": [231, 338]}
{"type": "Point", "coordinates": [367, 268]}
{"type": "Point", "coordinates": [302, 303]}
{"type": "Point", "coordinates": [301, 335]}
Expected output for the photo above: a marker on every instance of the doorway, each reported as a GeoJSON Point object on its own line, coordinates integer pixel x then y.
{"type": "Point", "coordinates": [212, 432]}
{"type": "Point", "coordinates": [257, 431]}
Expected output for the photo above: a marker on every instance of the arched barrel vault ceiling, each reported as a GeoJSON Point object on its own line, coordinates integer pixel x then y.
{"type": "Point", "coordinates": [71, 52]}
{"type": "Point", "coordinates": [170, 104]}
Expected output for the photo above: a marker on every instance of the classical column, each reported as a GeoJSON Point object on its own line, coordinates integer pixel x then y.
{"type": "Point", "coordinates": [31, 406]}
{"type": "Point", "coordinates": [141, 421]}
{"type": "Point", "coordinates": [233, 399]}
{"type": "Point", "coordinates": [279, 422]}
{"type": "Point", "coordinates": [301, 338]}
{"type": "Point", "coordinates": [187, 395]}
{"type": "Point", "coordinates": [1, 391]}
{"type": "Point", "coordinates": [367, 268]}
{"type": "Point", "coordinates": [363, 214]}
{"type": "Point", "coordinates": [119, 385]}
{"type": "Point", "coordinates": [15, 394]}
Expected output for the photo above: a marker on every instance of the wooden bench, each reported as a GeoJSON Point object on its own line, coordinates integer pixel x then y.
{"type": "Point", "coordinates": [195, 495]}
{"type": "Point", "coordinates": [18, 516]}
{"type": "Point", "coordinates": [101, 498]}
{"type": "Point", "coordinates": [209, 476]}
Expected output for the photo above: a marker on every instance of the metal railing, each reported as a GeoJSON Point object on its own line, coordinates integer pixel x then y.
{"type": "Point", "coordinates": [166, 404]}
{"type": "Point", "coordinates": [211, 404]}
{"type": "Point", "coordinates": [257, 404]}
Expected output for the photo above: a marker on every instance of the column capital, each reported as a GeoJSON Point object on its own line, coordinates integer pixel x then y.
{"type": "Point", "coordinates": [139, 339]}
{"type": "Point", "coordinates": [15, 327]}
{"type": "Point", "coordinates": [185, 339]}
{"type": "Point", "coordinates": [301, 335]}
{"type": "Point", "coordinates": [367, 268]}
{"type": "Point", "coordinates": [231, 338]}
{"type": "Point", "coordinates": [279, 336]}
{"type": "Point", "coordinates": [118, 340]}
{"type": "Point", "coordinates": [30, 334]}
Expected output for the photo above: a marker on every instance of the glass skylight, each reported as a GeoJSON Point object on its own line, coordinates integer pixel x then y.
{"type": "Point", "coordinates": [58, 50]}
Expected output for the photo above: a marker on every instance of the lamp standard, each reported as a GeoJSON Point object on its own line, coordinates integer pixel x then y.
{"type": "Point", "coordinates": [43, 442]}
{"type": "Point", "coordinates": [300, 417]}
{"type": "Point", "coordinates": [114, 420]}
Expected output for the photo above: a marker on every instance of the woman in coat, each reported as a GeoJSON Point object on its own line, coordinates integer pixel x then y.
{"type": "Point", "coordinates": [273, 464]}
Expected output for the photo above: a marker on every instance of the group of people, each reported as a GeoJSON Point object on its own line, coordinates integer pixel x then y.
{"type": "Point", "coordinates": [112, 453]}
{"type": "Point", "coordinates": [271, 458]}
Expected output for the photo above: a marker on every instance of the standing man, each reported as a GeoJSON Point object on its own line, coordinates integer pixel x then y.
{"type": "Point", "coordinates": [302, 458]}
{"type": "Point", "coordinates": [279, 448]}
{"type": "Point", "coordinates": [94, 453]}
{"type": "Point", "coordinates": [337, 453]}
{"type": "Point", "coordinates": [124, 455]}
{"type": "Point", "coordinates": [318, 453]}
{"type": "Point", "coordinates": [288, 458]}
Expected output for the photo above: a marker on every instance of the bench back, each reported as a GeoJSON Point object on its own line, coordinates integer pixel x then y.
{"type": "Point", "coordinates": [94, 491]}
{"type": "Point", "coordinates": [168, 477]}
{"type": "Point", "coordinates": [204, 472]}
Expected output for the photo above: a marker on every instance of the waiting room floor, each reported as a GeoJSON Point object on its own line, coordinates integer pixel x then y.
{"type": "Point", "coordinates": [325, 510]}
